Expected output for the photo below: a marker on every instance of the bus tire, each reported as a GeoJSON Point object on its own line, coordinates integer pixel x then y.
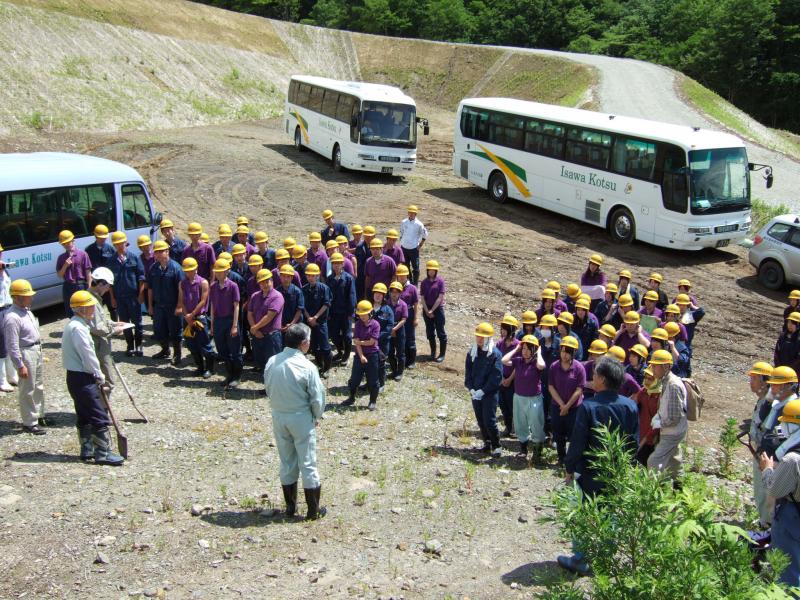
{"type": "Point", "coordinates": [298, 139]}
{"type": "Point", "coordinates": [498, 187]}
{"type": "Point", "coordinates": [771, 275]}
{"type": "Point", "coordinates": [336, 159]}
{"type": "Point", "coordinates": [621, 226]}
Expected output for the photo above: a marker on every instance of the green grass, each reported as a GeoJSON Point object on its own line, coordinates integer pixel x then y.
{"type": "Point", "coordinates": [205, 105]}
{"type": "Point", "coordinates": [237, 82]}
{"type": "Point", "coordinates": [763, 212]}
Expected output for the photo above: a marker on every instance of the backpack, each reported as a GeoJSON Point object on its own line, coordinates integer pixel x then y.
{"type": "Point", "coordinates": [694, 399]}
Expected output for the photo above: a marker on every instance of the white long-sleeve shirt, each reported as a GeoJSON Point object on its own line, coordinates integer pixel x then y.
{"type": "Point", "coordinates": [412, 233]}
{"type": "Point", "coordinates": [77, 349]}
{"type": "Point", "coordinates": [293, 385]}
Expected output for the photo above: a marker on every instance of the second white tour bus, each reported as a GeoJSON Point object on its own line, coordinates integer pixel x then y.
{"type": "Point", "coordinates": [45, 192]}
{"type": "Point", "coordinates": [668, 185]}
{"type": "Point", "coordinates": [362, 126]}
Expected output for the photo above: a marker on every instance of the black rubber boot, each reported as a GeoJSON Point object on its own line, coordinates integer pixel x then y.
{"type": "Point", "coordinates": [351, 399]}
{"type": "Point", "coordinates": [176, 354]}
{"type": "Point", "coordinates": [139, 351]}
{"type": "Point", "coordinates": [373, 398]}
{"type": "Point", "coordinates": [327, 360]}
{"type": "Point", "coordinates": [198, 362]}
{"type": "Point", "coordinates": [411, 358]}
{"type": "Point", "coordinates": [290, 497]}
{"type": "Point", "coordinates": [228, 373]}
{"type": "Point", "coordinates": [312, 500]}
{"type": "Point", "coordinates": [536, 455]}
{"type": "Point", "coordinates": [393, 366]}
{"type": "Point", "coordinates": [129, 351]}
{"type": "Point", "coordinates": [164, 351]}
{"type": "Point", "coordinates": [103, 455]}
{"type": "Point", "coordinates": [87, 447]}
{"type": "Point", "coordinates": [400, 368]}
{"type": "Point", "coordinates": [348, 348]}
{"type": "Point", "coordinates": [432, 343]}
{"type": "Point", "coordinates": [442, 352]}
{"type": "Point", "coordinates": [236, 370]}
{"type": "Point", "coordinates": [523, 449]}
{"type": "Point", "coordinates": [209, 370]}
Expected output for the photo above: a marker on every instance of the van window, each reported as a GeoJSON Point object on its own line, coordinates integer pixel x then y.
{"type": "Point", "coordinates": [135, 209]}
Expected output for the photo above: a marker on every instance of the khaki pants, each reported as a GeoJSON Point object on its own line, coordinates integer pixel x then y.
{"type": "Point", "coordinates": [667, 454]}
{"type": "Point", "coordinates": [764, 502]}
{"type": "Point", "coordinates": [106, 364]}
{"type": "Point", "coordinates": [31, 389]}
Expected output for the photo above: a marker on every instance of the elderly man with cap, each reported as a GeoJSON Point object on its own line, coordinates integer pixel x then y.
{"type": "Point", "coordinates": [129, 283]}
{"type": "Point", "coordinates": [317, 301]}
{"type": "Point", "coordinates": [102, 326]}
{"type": "Point", "coordinates": [225, 304]}
{"type": "Point", "coordinates": [343, 304]}
{"type": "Point", "coordinates": [483, 373]}
{"type": "Point", "coordinates": [23, 344]}
{"type": "Point", "coordinates": [392, 249]}
{"type": "Point", "coordinates": [264, 319]}
{"type": "Point", "coordinates": [297, 402]}
{"type": "Point", "coordinates": [759, 375]}
{"type": "Point", "coordinates": [74, 267]}
{"type": "Point", "coordinates": [176, 245]}
{"type": "Point", "coordinates": [84, 380]}
{"type": "Point", "coordinates": [224, 243]}
{"type": "Point", "coordinates": [199, 250]}
{"type": "Point", "coordinates": [163, 282]}
{"type": "Point", "coordinates": [412, 237]}
{"type": "Point", "coordinates": [193, 305]}
{"type": "Point", "coordinates": [379, 268]}
{"type": "Point", "coordinates": [332, 228]}
{"type": "Point", "coordinates": [671, 417]}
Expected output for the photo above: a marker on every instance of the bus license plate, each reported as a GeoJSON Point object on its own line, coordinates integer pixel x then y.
{"type": "Point", "coordinates": [722, 243]}
{"type": "Point", "coordinates": [386, 170]}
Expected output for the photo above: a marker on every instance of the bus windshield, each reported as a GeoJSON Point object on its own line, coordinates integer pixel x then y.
{"type": "Point", "coordinates": [386, 124]}
{"type": "Point", "coordinates": [720, 180]}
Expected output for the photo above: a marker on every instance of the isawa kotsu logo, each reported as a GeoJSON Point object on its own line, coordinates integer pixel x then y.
{"type": "Point", "coordinates": [629, 188]}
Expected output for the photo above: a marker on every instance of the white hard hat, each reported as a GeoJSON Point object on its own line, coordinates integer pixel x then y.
{"type": "Point", "coordinates": [104, 274]}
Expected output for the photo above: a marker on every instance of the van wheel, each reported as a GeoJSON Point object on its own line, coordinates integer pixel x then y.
{"type": "Point", "coordinates": [298, 139]}
{"type": "Point", "coordinates": [621, 226]}
{"type": "Point", "coordinates": [337, 158]}
{"type": "Point", "coordinates": [771, 275]}
{"type": "Point", "coordinates": [498, 188]}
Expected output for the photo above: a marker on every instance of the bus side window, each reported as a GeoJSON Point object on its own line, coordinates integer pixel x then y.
{"type": "Point", "coordinates": [135, 208]}
{"type": "Point", "coordinates": [674, 191]}
{"type": "Point", "coordinates": [303, 92]}
{"type": "Point", "coordinates": [354, 118]}
{"type": "Point", "coordinates": [293, 92]}
{"type": "Point", "coordinates": [17, 222]}
{"type": "Point", "coordinates": [329, 103]}
{"type": "Point", "coordinates": [315, 99]}
{"type": "Point", "coordinates": [344, 109]}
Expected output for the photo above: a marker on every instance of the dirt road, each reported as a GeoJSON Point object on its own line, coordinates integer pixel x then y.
{"type": "Point", "coordinates": [393, 480]}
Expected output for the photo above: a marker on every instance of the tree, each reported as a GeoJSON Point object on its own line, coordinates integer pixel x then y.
{"type": "Point", "coordinates": [447, 20]}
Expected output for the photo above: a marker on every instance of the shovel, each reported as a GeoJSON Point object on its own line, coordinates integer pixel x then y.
{"type": "Point", "coordinates": [128, 391]}
{"type": "Point", "coordinates": [122, 440]}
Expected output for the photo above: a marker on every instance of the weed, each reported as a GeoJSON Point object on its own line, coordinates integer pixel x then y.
{"type": "Point", "coordinates": [407, 473]}
{"type": "Point", "coordinates": [35, 120]}
{"type": "Point", "coordinates": [380, 477]}
{"type": "Point", "coordinates": [763, 212]}
{"type": "Point", "coordinates": [464, 437]}
{"type": "Point", "coordinates": [210, 107]}
{"type": "Point", "coordinates": [366, 420]}
{"type": "Point", "coordinates": [223, 491]}
{"type": "Point", "coordinates": [249, 503]}
{"type": "Point", "coordinates": [411, 417]}
{"type": "Point", "coordinates": [469, 476]}
{"type": "Point", "coordinates": [360, 499]}
{"type": "Point", "coordinates": [235, 81]}
{"type": "Point", "coordinates": [249, 112]}
{"type": "Point", "coordinates": [727, 442]}
{"type": "Point", "coordinates": [698, 459]}
{"type": "Point", "coordinates": [76, 66]}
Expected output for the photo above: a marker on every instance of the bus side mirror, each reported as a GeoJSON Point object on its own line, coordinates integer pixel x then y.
{"type": "Point", "coordinates": [156, 222]}
{"type": "Point", "coordinates": [769, 178]}
{"type": "Point", "coordinates": [426, 128]}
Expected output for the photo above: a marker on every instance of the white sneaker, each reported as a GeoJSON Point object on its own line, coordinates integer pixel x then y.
{"type": "Point", "coordinates": [6, 387]}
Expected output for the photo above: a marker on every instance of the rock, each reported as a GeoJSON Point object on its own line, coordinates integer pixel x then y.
{"type": "Point", "coordinates": [101, 559]}
{"type": "Point", "coordinates": [514, 585]}
{"type": "Point", "coordinates": [396, 510]}
{"type": "Point", "coordinates": [151, 592]}
{"type": "Point", "coordinates": [522, 519]}
{"type": "Point", "coordinates": [107, 540]}
{"type": "Point", "coordinates": [402, 546]}
{"type": "Point", "coordinates": [204, 544]}
{"type": "Point", "coordinates": [197, 510]}
{"type": "Point", "coordinates": [272, 575]}
{"type": "Point", "coordinates": [233, 502]}
{"type": "Point", "coordinates": [268, 513]}
{"type": "Point", "coordinates": [314, 539]}
{"type": "Point", "coordinates": [134, 593]}
{"type": "Point", "coordinates": [148, 511]}
{"type": "Point", "coordinates": [433, 547]}
{"type": "Point", "coordinates": [9, 499]}
{"type": "Point", "coordinates": [507, 494]}
{"type": "Point", "coordinates": [441, 415]}
{"type": "Point", "coordinates": [428, 493]}
{"type": "Point", "coordinates": [111, 515]}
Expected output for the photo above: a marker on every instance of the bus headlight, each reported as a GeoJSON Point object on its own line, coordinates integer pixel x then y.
{"type": "Point", "coordinates": [410, 159]}
{"type": "Point", "coordinates": [700, 230]}
{"type": "Point", "coordinates": [366, 156]}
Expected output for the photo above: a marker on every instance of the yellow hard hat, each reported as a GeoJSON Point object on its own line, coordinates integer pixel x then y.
{"type": "Point", "coordinates": [160, 246]}
{"type": "Point", "coordinates": [65, 237]}
{"type": "Point", "coordinates": [289, 243]}
{"type": "Point", "coordinates": [632, 317]}
{"type": "Point", "coordinates": [672, 309]}
{"type": "Point", "coordinates": [648, 372]}
{"type": "Point", "coordinates": [281, 254]}
{"type": "Point", "coordinates": [761, 368]}
{"type": "Point", "coordinates": [530, 339]}
{"type": "Point", "coordinates": [364, 307]}
{"type": "Point", "coordinates": [286, 270]}
{"type": "Point", "coordinates": [242, 220]}
{"type": "Point", "coordinates": [583, 303]}
{"type": "Point", "coordinates": [226, 256]}
{"type": "Point", "coordinates": [402, 270]}
{"type": "Point", "coordinates": [263, 275]}
{"type": "Point", "coordinates": [662, 357]}
{"type": "Point", "coordinates": [21, 287]}
{"type": "Point", "coordinates": [598, 347]}
{"type": "Point", "coordinates": [510, 320]}
{"type": "Point", "coordinates": [586, 297]}
{"type": "Point", "coordinates": [412, 208]}
{"type": "Point", "coordinates": [255, 260]}
{"type": "Point", "coordinates": [794, 316]}
{"type": "Point", "coordinates": [369, 230]}
{"type": "Point", "coordinates": [376, 243]}
{"type": "Point", "coordinates": [189, 264]}
{"type": "Point", "coordinates": [626, 274]}
{"type": "Point", "coordinates": [612, 288]}
{"type": "Point", "coordinates": [224, 230]}
{"type": "Point", "coordinates": [617, 352]}
{"type": "Point", "coordinates": [554, 285]}
{"type": "Point", "coordinates": [794, 295]}
{"type": "Point", "coordinates": [205, 238]}
{"type": "Point", "coordinates": [791, 412]}
{"type": "Point", "coordinates": [340, 239]}
{"type": "Point", "coordinates": [100, 231]}
{"type": "Point", "coordinates": [548, 321]}
{"type": "Point", "coordinates": [314, 236]}
{"type": "Point", "coordinates": [596, 259]}
{"type": "Point", "coordinates": [657, 277]}
{"type": "Point", "coordinates": [118, 237]}
{"type": "Point", "coordinates": [573, 290]}
{"type": "Point", "coordinates": [529, 317]}
{"type": "Point", "coordinates": [484, 330]}
{"type": "Point", "coordinates": [81, 299]}
{"type": "Point", "coordinates": [569, 341]}
{"type": "Point", "coordinates": [238, 249]}
{"type": "Point", "coordinates": [392, 234]}
{"type": "Point", "coordinates": [782, 375]}
{"type": "Point", "coordinates": [682, 299]}
{"type": "Point", "coordinates": [337, 257]}
{"type": "Point", "coordinates": [566, 317]}
{"type": "Point", "coordinates": [548, 294]}
{"type": "Point", "coordinates": [242, 229]}
{"type": "Point", "coordinates": [608, 329]}
{"type": "Point", "coordinates": [330, 244]}
{"type": "Point", "coordinates": [396, 285]}
{"type": "Point", "coordinates": [685, 283]}
{"type": "Point", "coordinates": [143, 241]}
{"type": "Point", "coordinates": [166, 224]}
{"type": "Point", "coordinates": [327, 213]}
{"type": "Point", "coordinates": [194, 228]}
{"type": "Point", "coordinates": [299, 251]}
{"type": "Point", "coordinates": [625, 300]}
{"type": "Point", "coordinates": [357, 229]}
{"type": "Point", "coordinates": [260, 237]}
{"type": "Point", "coordinates": [659, 333]}
{"type": "Point", "coordinates": [312, 269]}
{"type": "Point", "coordinates": [432, 265]}
{"type": "Point", "coordinates": [379, 287]}
{"type": "Point", "coordinates": [221, 265]}
{"type": "Point", "coordinates": [640, 350]}
{"type": "Point", "coordinates": [672, 328]}
{"type": "Point", "coordinates": [651, 295]}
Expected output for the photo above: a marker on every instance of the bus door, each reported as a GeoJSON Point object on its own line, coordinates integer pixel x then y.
{"type": "Point", "coordinates": [137, 216]}
{"type": "Point", "coordinates": [672, 174]}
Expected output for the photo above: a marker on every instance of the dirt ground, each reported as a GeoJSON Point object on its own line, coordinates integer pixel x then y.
{"type": "Point", "coordinates": [393, 480]}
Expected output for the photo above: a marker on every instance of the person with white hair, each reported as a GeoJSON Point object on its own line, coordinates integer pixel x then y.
{"type": "Point", "coordinates": [482, 377]}
{"type": "Point", "coordinates": [101, 326]}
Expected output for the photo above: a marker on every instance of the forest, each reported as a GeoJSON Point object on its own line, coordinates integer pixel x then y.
{"type": "Point", "coordinates": [747, 51]}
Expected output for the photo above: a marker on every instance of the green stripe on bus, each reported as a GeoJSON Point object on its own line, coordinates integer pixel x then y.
{"type": "Point", "coordinates": [515, 168]}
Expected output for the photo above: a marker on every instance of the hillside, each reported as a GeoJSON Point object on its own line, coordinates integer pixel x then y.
{"type": "Point", "coordinates": [110, 65]}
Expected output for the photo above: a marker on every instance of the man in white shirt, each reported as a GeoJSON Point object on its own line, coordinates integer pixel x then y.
{"type": "Point", "coordinates": [412, 237]}
{"type": "Point", "coordinates": [8, 374]}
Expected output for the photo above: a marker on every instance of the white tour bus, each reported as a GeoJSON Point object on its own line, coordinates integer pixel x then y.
{"type": "Point", "coordinates": [363, 126]}
{"type": "Point", "coordinates": [669, 185]}
{"type": "Point", "coordinates": [44, 192]}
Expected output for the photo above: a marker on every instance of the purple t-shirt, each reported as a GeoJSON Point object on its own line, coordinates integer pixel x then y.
{"type": "Point", "coordinates": [596, 278]}
{"type": "Point", "coordinates": [192, 290]}
{"type": "Point", "coordinates": [409, 295]}
{"type": "Point", "coordinates": [148, 260]}
{"type": "Point", "coordinates": [204, 255]}
{"type": "Point", "coordinates": [657, 312]}
{"type": "Point", "coordinates": [527, 378]}
{"type": "Point", "coordinates": [260, 305]}
{"type": "Point", "coordinates": [566, 382]}
{"type": "Point", "coordinates": [400, 310]}
{"type": "Point", "coordinates": [626, 342]}
{"type": "Point", "coordinates": [588, 367]}
{"type": "Point", "coordinates": [629, 386]}
{"type": "Point", "coordinates": [222, 297]}
{"type": "Point", "coordinates": [431, 289]}
{"type": "Point", "coordinates": [319, 258]}
{"type": "Point", "coordinates": [395, 253]}
{"type": "Point", "coordinates": [276, 277]}
{"type": "Point", "coordinates": [380, 272]}
{"type": "Point", "coordinates": [252, 286]}
{"type": "Point", "coordinates": [683, 335]}
{"type": "Point", "coordinates": [80, 268]}
{"type": "Point", "coordinates": [372, 330]}
{"type": "Point", "coordinates": [505, 346]}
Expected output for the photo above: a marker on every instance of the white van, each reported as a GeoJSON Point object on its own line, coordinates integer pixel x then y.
{"type": "Point", "coordinates": [44, 192]}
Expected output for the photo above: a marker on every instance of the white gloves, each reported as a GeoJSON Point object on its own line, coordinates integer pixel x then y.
{"type": "Point", "coordinates": [655, 422]}
{"type": "Point", "coordinates": [477, 395]}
